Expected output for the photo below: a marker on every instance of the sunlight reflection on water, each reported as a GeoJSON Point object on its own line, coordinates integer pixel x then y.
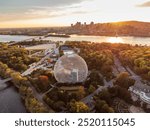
{"type": "Point", "coordinates": [115, 40]}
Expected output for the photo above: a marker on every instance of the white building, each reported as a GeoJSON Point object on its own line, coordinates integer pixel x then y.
{"type": "Point", "coordinates": [145, 97]}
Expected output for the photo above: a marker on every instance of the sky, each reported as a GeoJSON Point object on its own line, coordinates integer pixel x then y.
{"type": "Point", "coordinates": [43, 13]}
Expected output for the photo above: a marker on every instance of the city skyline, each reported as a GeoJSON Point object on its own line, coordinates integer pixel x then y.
{"type": "Point", "coordinates": [29, 13]}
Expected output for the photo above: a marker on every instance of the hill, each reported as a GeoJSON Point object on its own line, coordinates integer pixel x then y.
{"type": "Point", "coordinates": [125, 28]}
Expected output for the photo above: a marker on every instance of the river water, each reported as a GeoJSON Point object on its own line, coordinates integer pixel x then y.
{"type": "Point", "coordinates": [99, 39]}
{"type": "Point", "coordinates": [10, 101]}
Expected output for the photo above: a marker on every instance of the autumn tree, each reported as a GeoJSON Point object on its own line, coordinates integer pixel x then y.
{"type": "Point", "coordinates": [124, 80]}
{"type": "Point", "coordinates": [78, 107]}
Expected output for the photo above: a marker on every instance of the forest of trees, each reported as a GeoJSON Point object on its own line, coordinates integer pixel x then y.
{"type": "Point", "coordinates": [15, 57]}
{"type": "Point", "coordinates": [42, 79]}
{"type": "Point", "coordinates": [137, 58]}
{"type": "Point", "coordinates": [61, 100]}
{"type": "Point", "coordinates": [104, 99]}
{"type": "Point", "coordinates": [32, 43]}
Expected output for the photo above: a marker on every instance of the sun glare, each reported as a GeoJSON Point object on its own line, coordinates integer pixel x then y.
{"type": "Point", "coordinates": [115, 40]}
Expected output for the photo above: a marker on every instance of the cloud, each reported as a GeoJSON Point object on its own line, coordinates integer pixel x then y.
{"type": "Point", "coordinates": [31, 3]}
{"type": "Point", "coordinates": [11, 10]}
{"type": "Point", "coordinates": [80, 12]}
{"type": "Point", "coordinates": [146, 4]}
{"type": "Point", "coordinates": [43, 12]}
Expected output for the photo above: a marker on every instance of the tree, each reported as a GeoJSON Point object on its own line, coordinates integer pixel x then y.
{"type": "Point", "coordinates": [80, 93]}
{"type": "Point", "coordinates": [50, 75]}
{"type": "Point", "coordinates": [64, 96]}
{"type": "Point", "coordinates": [22, 67]}
{"type": "Point", "coordinates": [25, 91]}
{"type": "Point", "coordinates": [43, 79]}
{"type": "Point", "coordinates": [106, 70]}
{"type": "Point", "coordinates": [17, 78]}
{"type": "Point", "coordinates": [53, 94]}
{"type": "Point", "coordinates": [43, 83]}
{"type": "Point", "coordinates": [124, 80]}
{"type": "Point", "coordinates": [15, 57]}
{"type": "Point", "coordinates": [91, 89]}
{"type": "Point", "coordinates": [99, 104]}
{"type": "Point", "coordinates": [149, 73]}
{"type": "Point", "coordinates": [124, 94]}
{"type": "Point", "coordinates": [58, 106]}
{"type": "Point", "coordinates": [94, 75]}
{"type": "Point", "coordinates": [113, 91]}
{"type": "Point", "coordinates": [49, 101]}
{"type": "Point", "coordinates": [105, 95]}
{"type": "Point", "coordinates": [78, 107]}
{"type": "Point", "coordinates": [131, 82]}
{"type": "Point", "coordinates": [34, 106]}
{"type": "Point", "coordinates": [105, 108]}
{"type": "Point", "coordinates": [8, 72]}
{"type": "Point", "coordinates": [96, 78]}
{"type": "Point", "coordinates": [122, 77]}
{"type": "Point", "coordinates": [111, 110]}
{"type": "Point", "coordinates": [102, 106]}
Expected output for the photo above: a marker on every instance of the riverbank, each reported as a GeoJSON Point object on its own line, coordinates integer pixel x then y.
{"type": "Point", "coordinates": [97, 39]}
{"type": "Point", "coordinates": [10, 101]}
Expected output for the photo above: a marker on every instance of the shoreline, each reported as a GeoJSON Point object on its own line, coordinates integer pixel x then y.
{"type": "Point", "coordinates": [136, 36]}
{"type": "Point", "coordinates": [10, 95]}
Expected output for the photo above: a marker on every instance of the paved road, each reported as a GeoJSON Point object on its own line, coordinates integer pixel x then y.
{"type": "Point", "coordinates": [86, 99]}
{"type": "Point", "coordinates": [140, 84]}
{"type": "Point", "coordinates": [118, 65]}
{"type": "Point", "coordinates": [36, 53]}
{"type": "Point", "coordinates": [89, 99]}
{"type": "Point", "coordinates": [39, 97]}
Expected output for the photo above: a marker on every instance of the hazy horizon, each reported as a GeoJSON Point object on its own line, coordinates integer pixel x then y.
{"type": "Point", "coordinates": [56, 13]}
{"type": "Point", "coordinates": [68, 25]}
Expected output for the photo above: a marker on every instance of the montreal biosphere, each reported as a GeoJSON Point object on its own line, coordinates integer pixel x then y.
{"type": "Point", "coordinates": [70, 68]}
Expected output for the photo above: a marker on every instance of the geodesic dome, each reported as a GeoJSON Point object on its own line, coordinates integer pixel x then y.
{"type": "Point", "coordinates": [70, 68]}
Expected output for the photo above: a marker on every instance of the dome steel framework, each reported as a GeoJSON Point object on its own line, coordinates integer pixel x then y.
{"type": "Point", "coordinates": [70, 68]}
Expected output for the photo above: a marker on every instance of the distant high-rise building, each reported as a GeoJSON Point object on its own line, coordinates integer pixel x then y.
{"type": "Point", "coordinates": [71, 25]}
{"type": "Point", "coordinates": [78, 24]}
{"type": "Point", "coordinates": [92, 23]}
